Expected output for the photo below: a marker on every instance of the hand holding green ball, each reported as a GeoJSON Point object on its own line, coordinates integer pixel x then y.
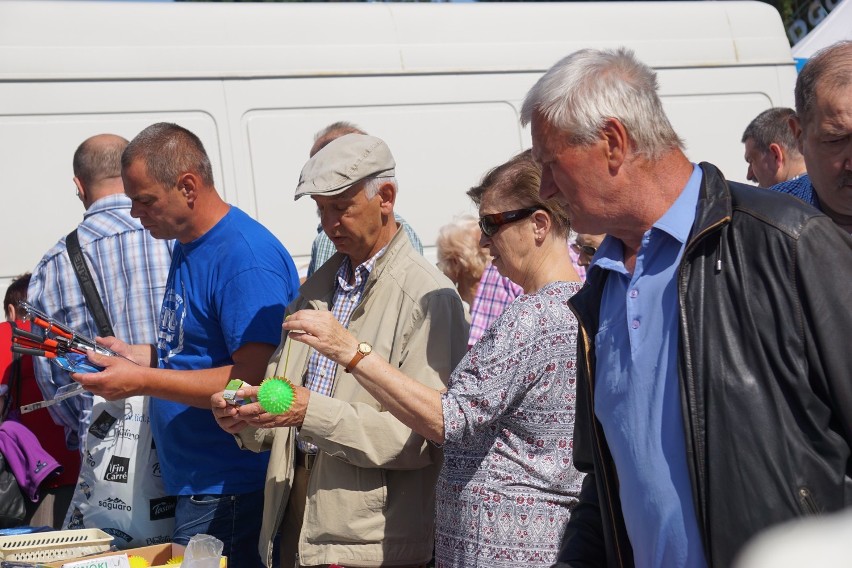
{"type": "Point", "coordinates": [275, 395]}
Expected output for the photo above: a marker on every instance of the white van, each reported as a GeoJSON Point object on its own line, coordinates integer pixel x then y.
{"type": "Point", "coordinates": [441, 83]}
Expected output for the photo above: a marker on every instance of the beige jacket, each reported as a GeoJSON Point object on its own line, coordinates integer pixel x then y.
{"type": "Point", "coordinates": [371, 492]}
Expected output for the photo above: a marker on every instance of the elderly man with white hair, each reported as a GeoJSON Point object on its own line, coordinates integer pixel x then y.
{"type": "Point", "coordinates": [713, 385]}
{"type": "Point", "coordinates": [347, 482]}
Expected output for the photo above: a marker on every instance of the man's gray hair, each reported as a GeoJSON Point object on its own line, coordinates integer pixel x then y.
{"type": "Point", "coordinates": [582, 91]}
{"type": "Point", "coordinates": [169, 151]}
{"type": "Point", "coordinates": [772, 126]}
{"type": "Point", "coordinates": [332, 132]}
{"type": "Point", "coordinates": [98, 158]}
{"type": "Point", "coordinates": [832, 66]}
{"type": "Point", "coordinates": [373, 184]}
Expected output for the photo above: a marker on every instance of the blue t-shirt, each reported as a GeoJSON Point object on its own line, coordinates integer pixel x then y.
{"type": "Point", "coordinates": [226, 288]}
{"type": "Point", "coordinates": [637, 393]}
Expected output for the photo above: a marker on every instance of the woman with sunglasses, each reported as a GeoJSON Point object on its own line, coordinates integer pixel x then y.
{"type": "Point", "coordinates": [586, 245]}
{"type": "Point", "coordinates": [506, 419]}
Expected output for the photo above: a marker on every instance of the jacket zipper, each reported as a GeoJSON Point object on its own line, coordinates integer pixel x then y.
{"type": "Point", "coordinates": [689, 397]}
{"type": "Point", "coordinates": [807, 502]}
{"type": "Point", "coordinates": [599, 445]}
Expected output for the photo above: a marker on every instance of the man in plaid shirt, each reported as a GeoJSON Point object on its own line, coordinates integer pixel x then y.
{"type": "Point", "coordinates": [347, 482]}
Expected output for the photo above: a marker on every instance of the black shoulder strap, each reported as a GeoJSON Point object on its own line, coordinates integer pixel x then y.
{"type": "Point", "coordinates": [87, 284]}
{"type": "Point", "coordinates": [13, 399]}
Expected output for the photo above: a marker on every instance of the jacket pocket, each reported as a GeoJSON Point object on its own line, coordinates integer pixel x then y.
{"type": "Point", "coordinates": [806, 502]}
{"type": "Point", "coordinates": [346, 504]}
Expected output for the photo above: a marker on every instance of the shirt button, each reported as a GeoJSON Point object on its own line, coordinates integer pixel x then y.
{"type": "Point", "coordinates": [635, 324]}
{"type": "Point", "coordinates": [634, 293]}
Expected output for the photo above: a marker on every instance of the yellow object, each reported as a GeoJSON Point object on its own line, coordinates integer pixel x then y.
{"type": "Point", "coordinates": [137, 562]}
{"type": "Point", "coordinates": [174, 560]}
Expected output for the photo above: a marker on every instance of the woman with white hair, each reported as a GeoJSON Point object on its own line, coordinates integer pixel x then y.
{"type": "Point", "coordinates": [460, 256]}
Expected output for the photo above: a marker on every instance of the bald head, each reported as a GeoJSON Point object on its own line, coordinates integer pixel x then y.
{"type": "Point", "coordinates": [97, 167]}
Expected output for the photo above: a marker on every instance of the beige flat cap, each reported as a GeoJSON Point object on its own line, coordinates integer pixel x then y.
{"type": "Point", "coordinates": [343, 162]}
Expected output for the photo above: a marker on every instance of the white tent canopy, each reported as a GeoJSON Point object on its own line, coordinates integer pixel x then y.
{"type": "Point", "coordinates": [835, 27]}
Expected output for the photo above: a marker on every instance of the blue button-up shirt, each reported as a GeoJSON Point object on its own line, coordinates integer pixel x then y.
{"type": "Point", "coordinates": [637, 397]}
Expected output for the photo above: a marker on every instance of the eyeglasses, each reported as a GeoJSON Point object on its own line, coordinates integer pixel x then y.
{"type": "Point", "coordinates": [588, 250]}
{"type": "Point", "coordinates": [490, 224]}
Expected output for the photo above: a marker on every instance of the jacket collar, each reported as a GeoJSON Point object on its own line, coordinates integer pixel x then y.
{"type": "Point", "coordinates": [319, 288]}
{"type": "Point", "coordinates": [714, 208]}
{"type": "Point", "coordinates": [714, 202]}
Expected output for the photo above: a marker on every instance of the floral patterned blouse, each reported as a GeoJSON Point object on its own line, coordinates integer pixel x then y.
{"type": "Point", "coordinates": [508, 483]}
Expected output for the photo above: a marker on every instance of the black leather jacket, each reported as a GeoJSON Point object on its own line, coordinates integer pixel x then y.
{"type": "Point", "coordinates": [765, 367]}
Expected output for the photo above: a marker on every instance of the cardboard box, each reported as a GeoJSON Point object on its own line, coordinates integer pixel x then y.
{"type": "Point", "coordinates": [156, 555]}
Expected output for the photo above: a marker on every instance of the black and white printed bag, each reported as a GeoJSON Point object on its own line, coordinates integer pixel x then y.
{"type": "Point", "coordinates": [120, 490]}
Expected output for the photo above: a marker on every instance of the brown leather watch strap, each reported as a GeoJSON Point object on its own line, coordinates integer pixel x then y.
{"type": "Point", "coordinates": [364, 349]}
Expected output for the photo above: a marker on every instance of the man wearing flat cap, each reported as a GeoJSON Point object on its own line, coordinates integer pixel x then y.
{"type": "Point", "coordinates": [347, 483]}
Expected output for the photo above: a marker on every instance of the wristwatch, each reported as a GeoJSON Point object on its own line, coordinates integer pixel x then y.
{"type": "Point", "coordinates": [364, 349]}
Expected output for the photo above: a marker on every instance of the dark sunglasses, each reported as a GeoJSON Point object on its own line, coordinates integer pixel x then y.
{"type": "Point", "coordinates": [490, 224]}
{"type": "Point", "coordinates": [589, 250]}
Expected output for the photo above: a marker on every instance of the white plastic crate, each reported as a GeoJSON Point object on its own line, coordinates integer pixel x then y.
{"type": "Point", "coordinates": [54, 545]}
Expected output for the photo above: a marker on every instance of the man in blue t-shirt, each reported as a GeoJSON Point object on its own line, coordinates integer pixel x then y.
{"type": "Point", "coordinates": [229, 283]}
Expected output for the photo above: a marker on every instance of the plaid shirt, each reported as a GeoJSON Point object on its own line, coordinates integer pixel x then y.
{"type": "Point", "coordinates": [129, 267]}
{"type": "Point", "coordinates": [323, 248]}
{"type": "Point", "coordinates": [800, 187]}
{"type": "Point", "coordinates": [321, 369]}
{"type": "Point", "coordinates": [495, 292]}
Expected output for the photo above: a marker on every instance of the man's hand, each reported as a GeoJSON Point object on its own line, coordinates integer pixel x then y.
{"type": "Point", "coordinates": [254, 415]}
{"type": "Point", "coordinates": [226, 415]}
{"type": "Point", "coordinates": [139, 354]}
{"type": "Point", "coordinates": [120, 378]}
{"type": "Point", "coordinates": [320, 330]}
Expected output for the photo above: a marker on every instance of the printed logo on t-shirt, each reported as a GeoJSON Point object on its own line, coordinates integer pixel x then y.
{"type": "Point", "coordinates": [163, 539]}
{"type": "Point", "coordinates": [163, 508]}
{"type": "Point", "coordinates": [170, 334]}
{"type": "Point", "coordinates": [155, 470]}
{"type": "Point", "coordinates": [101, 426]}
{"type": "Point", "coordinates": [118, 469]}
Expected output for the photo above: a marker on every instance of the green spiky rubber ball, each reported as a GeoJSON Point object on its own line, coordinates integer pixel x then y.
{"type": "Point", "coordinates": [275, 395]}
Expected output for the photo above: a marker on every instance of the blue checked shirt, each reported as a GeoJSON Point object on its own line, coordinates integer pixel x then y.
{"type": "Point", "coordinates": [321, 369]}
{"type": "Point", "coordinates": [800, 187]}
{"type": "Point", "coordinates": [323, 248]}
{"type": "Point", "coordinates": [129, 268]}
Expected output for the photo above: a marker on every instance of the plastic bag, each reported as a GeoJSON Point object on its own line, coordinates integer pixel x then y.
{"type": "Point", "coordinates": [202, 551]}
{"type": "Point", "coordinates": [120, 490]}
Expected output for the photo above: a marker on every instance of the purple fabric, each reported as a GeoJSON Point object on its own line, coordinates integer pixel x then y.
{"type": "Point", "coordinates": [27, 460]}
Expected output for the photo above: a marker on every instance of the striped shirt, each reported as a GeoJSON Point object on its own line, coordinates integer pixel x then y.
{"type": "Point", "coordinates": [129, 268]}
{"type": "Point", "coordinates": [321, 369]}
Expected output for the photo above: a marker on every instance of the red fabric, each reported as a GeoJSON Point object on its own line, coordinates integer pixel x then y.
{"type": "Point", "coordinates": [51, 436]}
